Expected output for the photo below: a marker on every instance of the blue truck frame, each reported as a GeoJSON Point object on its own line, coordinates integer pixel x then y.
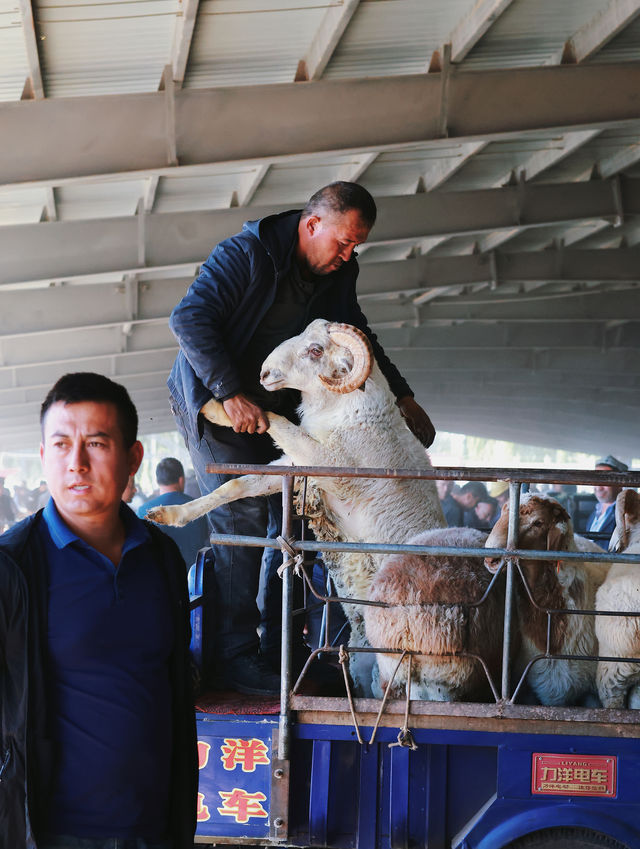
{"type": "Point", "coordinates": [472, 776]}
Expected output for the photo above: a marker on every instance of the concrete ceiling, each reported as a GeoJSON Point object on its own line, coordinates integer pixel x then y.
{"type": "Point", "coordinates": [501, 139]}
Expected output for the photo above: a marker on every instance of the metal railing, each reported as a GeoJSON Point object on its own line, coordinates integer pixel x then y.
{"type": "Point", "coordinates": [512, 555]}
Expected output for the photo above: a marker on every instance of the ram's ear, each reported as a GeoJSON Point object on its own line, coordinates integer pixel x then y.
{"type": "Point", "coordinates": [627, 509]}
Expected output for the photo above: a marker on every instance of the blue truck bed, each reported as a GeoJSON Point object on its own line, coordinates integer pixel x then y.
{"type": "Point", "coordinates": [468, 785]}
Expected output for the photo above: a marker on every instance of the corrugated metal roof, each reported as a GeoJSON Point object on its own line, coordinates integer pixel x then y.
{"type": "Point", "coordinates": [242, 43]}
{"type": "Point", "coordinates": [297, 181]}
{"type": "Point", "coordinates": [625, 47]}
{"type": "Point", "coordinates": [394, 37]}
{"type": "Point", "coordinates": [601, 149]}
{"type": "Point", "coordinates": [212, 191]}
{"type": "Point", "coordinates": [531, 32]}
{"type": "Point", "coordinates": [99, 200]}
{"type": "Point", "coordinates": [21, 206]}
{"type": "Point", "coordinates": [104, 47]}
{"type": "Point", "coordinates": [120, 46]}
{"type": "Point", "coordinates": [13, 58]}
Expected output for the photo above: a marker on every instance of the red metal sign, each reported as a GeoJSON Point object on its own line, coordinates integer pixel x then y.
{"type": "Point", "coordinates": [574, 775]}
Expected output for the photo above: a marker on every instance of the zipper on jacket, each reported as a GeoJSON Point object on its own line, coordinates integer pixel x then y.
{"type": "Point", "coordinates": [5, 762]}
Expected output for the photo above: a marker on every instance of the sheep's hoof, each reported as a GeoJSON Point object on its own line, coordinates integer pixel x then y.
{"type": "Point", "coordinates": [164, 516]}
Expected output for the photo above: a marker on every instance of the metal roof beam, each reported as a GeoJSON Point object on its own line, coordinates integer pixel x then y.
{"type": "Point", "coordinates": [519, 335]}
{"type": "Point", "coordinates": [55, 249]}
{"type": "Point", "coordinates": [182, 38]}
{"type": "Point", "coordinates": [326, 39]}
{"type": "Point", "coordinates": [495, 361]}
{"type": "Point", "coordinates": [555, 265]}
{"type": "Point", "coordinates": [31, 48]}
{"type": "Point", "coordinates": [113, 364]}
{"type": "Point", "coordinates": [546, 308]}
{"type": "Point", "coordinates": [478, 377]}
{"type": "Point", "coordinates": [545, 392]}
{"type": "Point", "coordinates": [29, 319]}
{"type": "Point", "coordinates": [130, 132]}
{"type": "Point", "coordinates": [427, 272]}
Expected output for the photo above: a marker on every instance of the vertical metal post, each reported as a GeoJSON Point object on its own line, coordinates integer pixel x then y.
{"type": "Point", "coordinates": [512, 542]}
{"type": "Point", "coordinates": [284, 725]}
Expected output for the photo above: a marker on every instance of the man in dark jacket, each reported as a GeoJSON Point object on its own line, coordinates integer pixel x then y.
{"type": "Point", "coordinates": [97, 728]}
{"type": "Point", "coordinates": [256, 289]}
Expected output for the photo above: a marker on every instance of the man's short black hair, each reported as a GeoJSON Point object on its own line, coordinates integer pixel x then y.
{"type": "Point", "coordinates": [341, 197]}
{"type": "Point", "coordinates": [76, 387]}
{"type": "Point", "coordinates": [169, 471]}
{"type": "Point", "coordinates": [477, 489]}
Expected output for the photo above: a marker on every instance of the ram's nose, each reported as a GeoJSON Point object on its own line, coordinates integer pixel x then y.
{"type": "Point", "coordinates": [493, 563]}
{"type": "Point", "coordinates": [269, 376]}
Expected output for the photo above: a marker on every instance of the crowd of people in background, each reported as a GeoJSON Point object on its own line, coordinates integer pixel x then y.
{"type": "Point", "coordinates": [21, 504]}
{"type": "Point", "coordinates": [473, 504]}
{"type": "Point", "coordinates": [478, 505]}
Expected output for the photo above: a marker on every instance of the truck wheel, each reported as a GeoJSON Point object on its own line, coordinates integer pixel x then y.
{"type": "Point", "coordinates": [566, 838]}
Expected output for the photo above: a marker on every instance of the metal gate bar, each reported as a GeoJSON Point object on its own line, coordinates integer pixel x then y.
{"type": "Point", "coordinates": [515, 477]}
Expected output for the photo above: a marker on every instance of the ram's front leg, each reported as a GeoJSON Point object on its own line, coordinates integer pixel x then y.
{"type": "Point", "coordinates": [296, 443]}
{"type": "Point", "coordinates": [214, 412]}
{"type": "Point", "coordinates": [243, 487]}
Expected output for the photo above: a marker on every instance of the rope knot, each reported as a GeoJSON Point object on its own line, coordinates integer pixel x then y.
{"type": "Point", "coordinates": [297, 556]}
{"type": "Point", "coordinates": [405, 739]}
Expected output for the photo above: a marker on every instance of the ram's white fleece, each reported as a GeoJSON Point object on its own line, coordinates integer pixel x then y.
{"type": "Point", "coordinates": [619, 682]}
{"type": "Point", "coordinates": [356, 429]}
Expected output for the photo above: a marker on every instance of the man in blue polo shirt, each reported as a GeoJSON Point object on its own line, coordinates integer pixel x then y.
{"type": "Point", "coordinates": [98, 731]}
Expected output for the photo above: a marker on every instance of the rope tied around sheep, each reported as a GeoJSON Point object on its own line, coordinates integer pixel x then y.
{"type": "Point", "coordinates": [405, 737]}
{"type": "Point", "coordinates": [343, 658]}
{"type": "Point", "coordinates": [297, 556]}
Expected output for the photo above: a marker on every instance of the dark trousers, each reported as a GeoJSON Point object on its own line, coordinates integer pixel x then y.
{"type": "Point", "coordinates": [248, 588]}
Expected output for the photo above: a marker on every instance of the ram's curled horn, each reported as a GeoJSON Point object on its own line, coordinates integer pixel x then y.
{"type": "Point", "coordinates": [359, 345]}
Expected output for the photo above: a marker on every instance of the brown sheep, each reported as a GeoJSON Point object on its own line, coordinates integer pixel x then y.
{"type": "Point", "coordinates": [434, 615]}
{"type": "Point", "coordinates": [554, 585]}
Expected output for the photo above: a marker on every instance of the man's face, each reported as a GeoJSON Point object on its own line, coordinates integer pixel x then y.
{"type": "Point", "coordinates": [331, 239]}
{"type": "Point", "coordinates": [484, 511]}
{"type": "Point", "coordinates": [84, 459]}
{"type": "Point", "coordinates": [606, 494]}
{"type": "Point", "coordinates": [468, 500]}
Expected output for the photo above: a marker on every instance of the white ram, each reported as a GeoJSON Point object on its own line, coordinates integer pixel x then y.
{"type": "Point", "coordinates": [340, 426]}
{"type": "Point", "coordinates": [619, 683]}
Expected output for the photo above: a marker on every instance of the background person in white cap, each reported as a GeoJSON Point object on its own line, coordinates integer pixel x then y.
{"type": "Point", "coordinates": [500, 491]}
{"type": "Point", "coordinates": [603, 518]}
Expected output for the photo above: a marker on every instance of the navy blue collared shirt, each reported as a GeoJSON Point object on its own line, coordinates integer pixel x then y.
{"type": "Point", "coordinates": [109, 638]}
